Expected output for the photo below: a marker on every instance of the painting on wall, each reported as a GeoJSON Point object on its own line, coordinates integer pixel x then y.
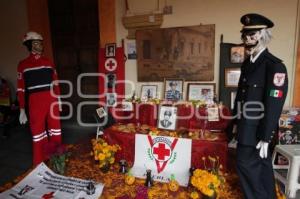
{"type": "Point", "coordinates": [181, 52]}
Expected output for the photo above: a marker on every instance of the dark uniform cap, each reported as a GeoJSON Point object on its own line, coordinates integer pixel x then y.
{"type": "Point", "coordinates": [173, 84]}
{"type": "Point", "coordinates": [168, 112]}
{"type": "Point", "coordinates": [254, 21]}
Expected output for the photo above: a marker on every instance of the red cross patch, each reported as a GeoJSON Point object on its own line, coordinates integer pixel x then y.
{"type": "Point", "coordinates": [279, 79]}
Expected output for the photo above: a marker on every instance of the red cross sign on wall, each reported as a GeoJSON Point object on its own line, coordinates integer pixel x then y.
{"type": "Point", "coordinates": [110, 64]}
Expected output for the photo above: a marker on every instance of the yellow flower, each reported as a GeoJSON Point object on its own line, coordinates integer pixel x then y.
{"type": "Point", "coordinates": [105, 150]}
{"type": "Point", "coordinates": [194, 195]}
{"type": "Point", "coordinates": [108, 155]}
{"type": "Point", "coordinates": [101, 156]}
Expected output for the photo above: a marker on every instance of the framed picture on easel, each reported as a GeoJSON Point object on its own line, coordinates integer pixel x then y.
{"type": "Point", "coordinates": [167, 117]}
{"type": "Point", "coordinates": [173, 89]}
{"type": "Point", "coordinates": [201, 91]}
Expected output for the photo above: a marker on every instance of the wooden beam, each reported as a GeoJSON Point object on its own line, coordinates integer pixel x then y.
{"type": "Point", "coordinates": [107, 21]}
{"type": "Point", "coordinates": [296, 99]}
{"type": "Point", "coordinates": [38, 21]}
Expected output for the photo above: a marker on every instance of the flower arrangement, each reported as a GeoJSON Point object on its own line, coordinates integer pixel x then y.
{"type": "Point", "coordinates": [206, 182]}
{"type": "Point", "coordinates": [58, 156]}
{"type": "Point", "coordinates": [209, 180]}
{"type": "Point", "coordinates": [104, 153]}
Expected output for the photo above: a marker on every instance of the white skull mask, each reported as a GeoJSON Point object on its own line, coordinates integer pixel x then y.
{"type": "Point", "coordinates": [252, 41]}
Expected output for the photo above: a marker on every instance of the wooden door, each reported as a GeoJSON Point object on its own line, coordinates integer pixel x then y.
{"type": "Point", "coordinates": [75, 39]}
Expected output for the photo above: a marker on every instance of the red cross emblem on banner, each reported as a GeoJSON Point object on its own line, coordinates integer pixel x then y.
{"type": "Point", "coordinates": [110, 64]}
{"type": "Point", "coordinates": [162, 152]}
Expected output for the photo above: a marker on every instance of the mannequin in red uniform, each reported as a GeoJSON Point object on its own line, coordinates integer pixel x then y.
{"type": "Point", "coordinates": [36, 78]}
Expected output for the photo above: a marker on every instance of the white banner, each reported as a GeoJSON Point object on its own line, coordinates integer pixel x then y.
{"type": "Point", "coordinates": [42, 183]}
{"type": "Point", "coordinates": [164, 156]}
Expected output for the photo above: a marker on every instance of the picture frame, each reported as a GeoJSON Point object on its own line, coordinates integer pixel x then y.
{"type": "Point", "coordinates": [110, 80]}
{"type": "Point", "coordinates": [148, 91]}
{"type": "Point", "coordinates": [173, 89]}
{"type": "Point", "coordinates": [201, 91]}
{"type": "Point", "coordinates": [127, 106]}
{"type": "Point", "coordinates": [232, 76]}
{"type": "Point", "coordinates": [213, 114]}
{"type": "Point", "coordinates": [111, 99]}
{"type": "Point", "coordinates": [237, 54]}
{"type": "Point", "coordinates": [167, 117]}
{"type": "Point", "coordinates": [161, 56]}
{"type": "Point", "coordinates": [131, 50]}
{"type": "Point", "coordinates": [101, 112]}
{"type": "Point", "coordinates": [110, 50]}
{"type": "Point", "coordinates": [232, 99]}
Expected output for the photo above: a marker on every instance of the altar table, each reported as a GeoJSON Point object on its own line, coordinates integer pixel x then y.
{"type": "Point", "coordinates": [188, 116]}
{"type": "Point", "coordinates": [200, 148]}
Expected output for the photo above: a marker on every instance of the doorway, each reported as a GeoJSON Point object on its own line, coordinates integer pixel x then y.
{"type": "Point", "coordinates": [75, 41]}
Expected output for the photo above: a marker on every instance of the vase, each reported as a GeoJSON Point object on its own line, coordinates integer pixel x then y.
{"type": "Point", "coordinates": [105, 168]}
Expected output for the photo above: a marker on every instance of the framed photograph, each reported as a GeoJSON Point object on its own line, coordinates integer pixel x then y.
{"type": "Point", "coordinates": [237, 54]}
{"type": "Point", "coordinates": [213, 114]}
{"type": "Point", "coordinates": [232, 99]}
{"type": "Point", "coordinates": [110, 80]}
{"type": "Point", "coordinates": [131, 50]}
{"type": "Point", "coordinates": [173, 89]}
{"type": "Point", "coordinates": [148, 91]}
{"type": "Point", "coordinates": [111, 99]}
{"type": "Point", "coordinates": [101, 112]}
{"type": "Point", "coordinates": [167, 117]}
{"type": "Point", "coordinates": [127, 106]}
{"type": "Point", "coordinates": [162, 53]}
{"type": "Point", "coordinates": [203, 92]}
{"type": "Point", "coordinates": [232, 76]}
{"type": "Point", "coordinates": [110, 50]}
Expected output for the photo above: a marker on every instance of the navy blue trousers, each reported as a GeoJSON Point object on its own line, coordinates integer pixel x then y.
{"type": "Point", "coordinates": [256, 174]}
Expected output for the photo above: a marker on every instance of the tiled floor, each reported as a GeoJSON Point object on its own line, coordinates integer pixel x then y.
{"type": "Point", "coordinates": [16, 151]}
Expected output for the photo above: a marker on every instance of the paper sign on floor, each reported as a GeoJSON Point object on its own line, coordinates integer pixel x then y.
{"type": "Point", "coordinates": [164, 156]}
{"type": "Point", "coordinates": [44, 183]}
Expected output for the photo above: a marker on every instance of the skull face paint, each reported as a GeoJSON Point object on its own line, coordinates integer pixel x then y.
{"type": "Point", "coordinates": [251, 40]}
{"type": "Point", "coordinates": [37, 46]}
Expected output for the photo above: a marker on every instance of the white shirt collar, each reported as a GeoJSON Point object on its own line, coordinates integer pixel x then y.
{"type": "Point", "coordinates": [253, 59]}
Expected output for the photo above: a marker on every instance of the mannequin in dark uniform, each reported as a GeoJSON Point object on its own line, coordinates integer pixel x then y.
{"type": "Point", "coordinates": [260, 98]}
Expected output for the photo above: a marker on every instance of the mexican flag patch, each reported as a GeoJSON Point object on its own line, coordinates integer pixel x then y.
{"type": "Point", "coordinates": [276, 93]}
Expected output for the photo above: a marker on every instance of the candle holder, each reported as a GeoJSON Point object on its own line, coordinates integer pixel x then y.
{"type": "Point", "coordinates": [149, 180]}
{"type": "Point", "coordinates": [123, 165]}
{"type": "Point", "coordinates": [90, 188]}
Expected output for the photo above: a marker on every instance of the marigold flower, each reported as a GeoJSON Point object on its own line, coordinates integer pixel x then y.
{"type": "Point", "coordinates": [101, 156]}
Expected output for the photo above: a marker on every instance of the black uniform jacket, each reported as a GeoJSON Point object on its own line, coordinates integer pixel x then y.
{"type": "Point", "coordinates": [260, 98]}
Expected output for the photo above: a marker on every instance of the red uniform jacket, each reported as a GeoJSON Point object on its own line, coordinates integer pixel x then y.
{"type": "Point", "coordinates": [36, 73]}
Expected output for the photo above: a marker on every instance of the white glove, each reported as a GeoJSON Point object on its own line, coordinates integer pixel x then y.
{"type": "Point", "coordinates": [233, 143]}
{"type": "Point", "coordinates": [263, 146]}
{"type": "Point", "coordinates": [234, 129]}
{"type": "Point", "coordinates": [23, 117]}
{"type": "Point", "coordinates": [59, 105]}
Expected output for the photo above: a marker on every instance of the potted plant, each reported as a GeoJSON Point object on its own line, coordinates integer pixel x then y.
{"type": "Point", "coordinates": [104, 153]}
